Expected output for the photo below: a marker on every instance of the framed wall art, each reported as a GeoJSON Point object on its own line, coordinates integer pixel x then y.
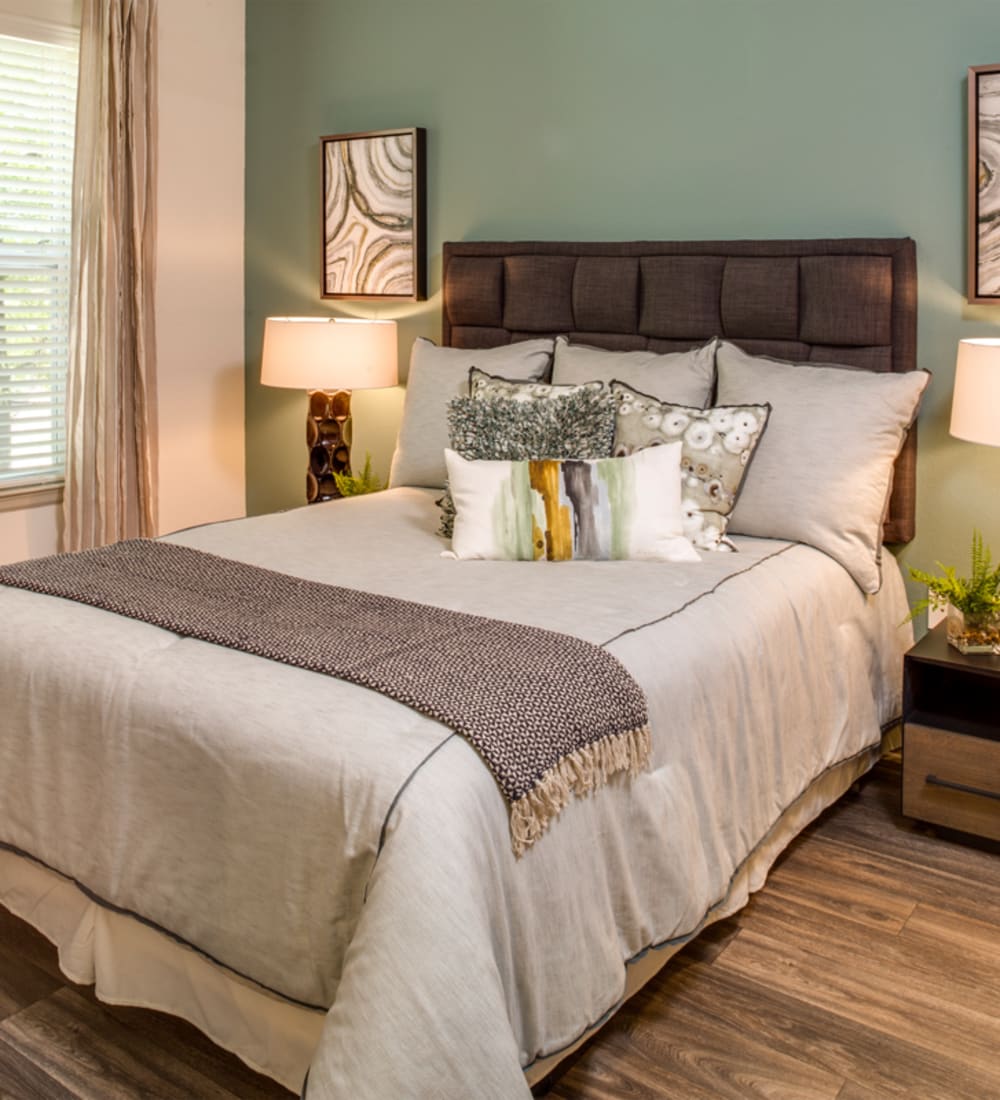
{"type": "Point", "coordinates": [374, 221]}
{"type": "Point", "coordinates": [984, 185]}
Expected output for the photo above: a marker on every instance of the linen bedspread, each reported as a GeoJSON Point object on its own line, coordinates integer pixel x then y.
{"type": "Point", "coordinates": [349, 854]}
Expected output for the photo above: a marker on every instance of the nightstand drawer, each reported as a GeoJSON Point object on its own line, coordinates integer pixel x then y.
{"type": "Point", "coordinates": [952, 779]}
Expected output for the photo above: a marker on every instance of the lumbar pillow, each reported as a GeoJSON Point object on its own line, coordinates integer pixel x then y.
{"type": "Point", "coordinates": [436, 376]}
{"type": "Point", "coordinates": [598, 509]}
{"type": "Point", "coordinates": [683, 377]}
{"type": "Point", "coordinates": [823, 472]}
{"type": "Point", "coordinates": [550, 422]}
{"type": "Point", "coordinates": [716, 447]}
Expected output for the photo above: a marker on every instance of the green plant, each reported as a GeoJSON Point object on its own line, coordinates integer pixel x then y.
{"type": "Point", "coordinates": [977, 596]}
{"type": "Point", "coordinates": [355, 485]}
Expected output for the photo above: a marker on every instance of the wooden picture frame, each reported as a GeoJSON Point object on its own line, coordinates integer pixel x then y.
{"type": "Point", "coordinates": [983, 280]}
{"type": "Point", "coordinates": [374, 242]}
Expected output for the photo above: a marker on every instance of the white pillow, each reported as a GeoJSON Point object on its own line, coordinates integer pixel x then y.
{"type": "Point", "coordinates": [436, 376]}
{"type": "Point", "coordinates": [681, 377]}
{"type": "Point", "coordinates": [594, 509]}
{"type": "Point", "coordinates": [822, 471]}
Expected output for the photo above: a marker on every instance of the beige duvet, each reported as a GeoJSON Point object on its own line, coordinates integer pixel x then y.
{"type": "Point", "coordinates": [348, 854]}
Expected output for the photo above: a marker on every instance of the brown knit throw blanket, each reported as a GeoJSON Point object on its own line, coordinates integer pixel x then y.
{"type": "Point", "coordinates": [550, 714]}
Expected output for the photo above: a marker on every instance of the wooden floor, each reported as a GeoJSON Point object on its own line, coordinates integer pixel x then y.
{"type": "Point", "coordinates": [868, 967]}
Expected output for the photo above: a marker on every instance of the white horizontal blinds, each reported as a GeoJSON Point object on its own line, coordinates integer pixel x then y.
{"type": "Point", "coordinates": [37, 117]}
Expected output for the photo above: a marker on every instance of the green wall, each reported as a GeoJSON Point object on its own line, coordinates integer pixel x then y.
{"type": "Point", "coordinates": [622, 119]}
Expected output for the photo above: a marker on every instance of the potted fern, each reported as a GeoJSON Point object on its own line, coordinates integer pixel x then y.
{"type": "Point", "coordinates": [972, 603]}
{"type": "Point", "coordinates": [355, 485]}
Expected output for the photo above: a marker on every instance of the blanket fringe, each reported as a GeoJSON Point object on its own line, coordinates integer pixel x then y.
{"type": "Point", "coordinates": [578, 773]}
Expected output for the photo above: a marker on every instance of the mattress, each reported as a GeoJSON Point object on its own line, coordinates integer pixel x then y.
{"type": "Point", "coordinates": [338, 855]}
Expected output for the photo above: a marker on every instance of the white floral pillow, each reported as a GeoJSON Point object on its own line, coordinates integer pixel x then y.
{"type": "Point", "coordinates": [717, 445]}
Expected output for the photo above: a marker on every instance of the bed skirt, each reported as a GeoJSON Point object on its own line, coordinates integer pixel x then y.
{"type": "Point", "coordinates": [131, 963]}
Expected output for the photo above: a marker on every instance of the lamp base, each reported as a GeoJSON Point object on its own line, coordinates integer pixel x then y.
{"type": "Point", "coordinates": [328, 436]}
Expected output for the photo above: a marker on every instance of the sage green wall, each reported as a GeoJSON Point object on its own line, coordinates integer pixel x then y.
{"type": "Point", "coordinates": [619, 119]}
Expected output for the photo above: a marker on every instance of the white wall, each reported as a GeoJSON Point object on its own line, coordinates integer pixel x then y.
{"type": "Point", "coordinates": [29, 533]}
{"type": "Point", "coordinates": [199, 285]}
{"type": "Point", "coordinates": [199, 274]}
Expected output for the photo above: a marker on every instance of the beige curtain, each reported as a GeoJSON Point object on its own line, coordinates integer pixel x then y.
{"type": "Point", "coordinates": [109, 492]}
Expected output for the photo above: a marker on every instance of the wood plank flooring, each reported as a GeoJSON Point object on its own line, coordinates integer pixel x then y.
{"type": "Point", "coordinates": [868, 968]}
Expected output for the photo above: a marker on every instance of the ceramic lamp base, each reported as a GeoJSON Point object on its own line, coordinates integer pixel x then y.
{"type": "Point", "coordinates": [328, 436]}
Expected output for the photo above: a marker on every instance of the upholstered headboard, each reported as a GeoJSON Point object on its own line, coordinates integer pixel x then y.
{"type": "Point", "coordinates": [849, 301]}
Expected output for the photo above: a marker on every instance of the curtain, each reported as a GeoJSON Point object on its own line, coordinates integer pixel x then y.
{"type": "Point", "coordinates": [109, 490]}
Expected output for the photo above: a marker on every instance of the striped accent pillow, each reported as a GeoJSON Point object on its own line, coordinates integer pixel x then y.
{"type": "Point", "coordinates": [596, 509]}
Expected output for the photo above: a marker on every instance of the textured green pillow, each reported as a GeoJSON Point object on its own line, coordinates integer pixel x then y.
{"type": "Point", "coordinates": [717, 447]}
{"type": "Point", "coordinates": [570, 422]}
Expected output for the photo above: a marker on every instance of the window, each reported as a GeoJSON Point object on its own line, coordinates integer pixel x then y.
{"type": "Point", "coordinates": [37, 118]}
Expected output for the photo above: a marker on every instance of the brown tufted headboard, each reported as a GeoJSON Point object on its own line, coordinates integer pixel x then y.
{"type": "Point", "coordinates": [851, 301]}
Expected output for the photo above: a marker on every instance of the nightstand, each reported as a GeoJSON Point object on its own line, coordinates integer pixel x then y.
{"type": "Point", "coordinates": [951, 736]}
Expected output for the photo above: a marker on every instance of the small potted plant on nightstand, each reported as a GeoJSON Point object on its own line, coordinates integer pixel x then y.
{"type": "Point", "coordinates": [972, 603]}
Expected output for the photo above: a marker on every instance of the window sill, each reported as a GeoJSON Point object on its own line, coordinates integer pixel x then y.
{"type": "Point", "coordinates": [30, 496]}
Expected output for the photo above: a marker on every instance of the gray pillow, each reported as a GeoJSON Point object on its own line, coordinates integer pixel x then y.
{"type": "Point", "coordinates": [483, 385]}
{"type": "Point", "coordinates": [681, 377]}
{"type": "Point", "coordinates": [436, 376]}
{"type": "Point", "coordinates": [579, 423]}
{"type": "Point", "coordinates": [822, 471]}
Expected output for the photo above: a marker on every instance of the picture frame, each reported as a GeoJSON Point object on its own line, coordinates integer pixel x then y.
{"type": "Point", "coordinates": [374, 241]}
{"type": "Point", "coordinates": [983, 278]}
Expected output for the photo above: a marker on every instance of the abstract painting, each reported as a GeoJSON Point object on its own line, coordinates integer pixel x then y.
{"type": "Point", "coordinates": [374, 237]}
{"type": "Point", "coordinates": [984, 184]}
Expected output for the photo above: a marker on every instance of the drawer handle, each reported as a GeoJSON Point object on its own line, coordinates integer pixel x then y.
{"type": "Point", "coordinates": [934, 781]}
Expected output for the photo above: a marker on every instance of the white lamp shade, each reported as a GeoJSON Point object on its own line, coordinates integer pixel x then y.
{"type": "Point", "coordinates": [975, 406]}
{"type": "Point", "coordinates": [327, 353]}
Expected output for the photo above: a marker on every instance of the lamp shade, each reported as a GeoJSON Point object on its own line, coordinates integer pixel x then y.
{"type": "Point", "coordinates": [975, 406]}
{"type": "Point", "coordinates": [327, 353]}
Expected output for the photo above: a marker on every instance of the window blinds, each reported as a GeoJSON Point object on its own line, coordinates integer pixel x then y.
{"type": "Point", "coordinates": [37, 117]}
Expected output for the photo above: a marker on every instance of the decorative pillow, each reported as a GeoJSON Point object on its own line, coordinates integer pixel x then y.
{"type": "Point", "coordinates": [823, 472]}
{"type": "Point", "coordinates": [599, 509]}
{"type": "Point", "coordinates": [683, 377]}
{"type": "Point", "coordinates": [436, 376]}
{"type": "Point", "coordinates": [717, 445]}
{"type": "Point", "coordinates": [483, 385]}
{"type": "Point", "coordinates": [572, 422]}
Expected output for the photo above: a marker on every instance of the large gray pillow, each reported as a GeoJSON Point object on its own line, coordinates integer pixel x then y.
{"type": "Point", "coordinates": [681, 377]}
{"type": "Point", "coordinates": [436, 376]}
{"type": "Point", "coordinates": [822, 471]}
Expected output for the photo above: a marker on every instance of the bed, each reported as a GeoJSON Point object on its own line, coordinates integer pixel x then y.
{"type": "Point", "coordinates": [322, 879]}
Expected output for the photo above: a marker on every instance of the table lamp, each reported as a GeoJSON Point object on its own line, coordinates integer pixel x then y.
{"type": "Point", "coordinates": [329, 357]}
{"type": "Point", "coordinates": [975, 405]}
{"type": "Point", "coordinates": [975, 416]}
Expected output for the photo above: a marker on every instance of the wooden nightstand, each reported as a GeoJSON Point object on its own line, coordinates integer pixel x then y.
{"type": "Point", "coordinates": [951, 737]}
